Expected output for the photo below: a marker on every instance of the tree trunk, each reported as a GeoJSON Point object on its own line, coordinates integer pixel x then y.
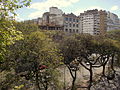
{"type": "Point", "coordinates": [37, 81]}
{"type": "Point", "coordinates": [36, 78]}
{"type": "Point", "coordinates": [103, 72]}
{"type": "Point", "coordinates": [73, 77]}
{"type": "Point", "coordinates": [73, 82]}
{"type": "Point", "coordinates": [46, 86]}
{"type": "Point", "coordinates": [64, 79]}
{"type": "Point", "coordinates": [91, 77]}
{"type": "Point", "coordinates": [112, 63]}
{"type": "Point", "coordinates": [104, 64]}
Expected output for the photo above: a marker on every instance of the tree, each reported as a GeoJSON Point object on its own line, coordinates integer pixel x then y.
{"type": "Point", "coordinates": [26, 28]}
{"type": "Point", "coordinates": [33, 53]}
{"type": "Point", "coordinates": [70, 48]}
{"type": "Point", "coordinates": [88, 55]}
{"type": "Point", "coordinates": [98, 52]}
{"type": "Point", "coordinates": [115, 35]}
{"type": "Point", "coordinates": [8, 34]}
{"type": "Point", "coordinates": [8, 7]}
{"type": "Point", "coordinates": [85, 49]}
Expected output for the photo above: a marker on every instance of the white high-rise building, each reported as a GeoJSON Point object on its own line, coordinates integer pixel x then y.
{"type": "Point", "coordinates": [93, 22]}
{"type": "Point", "coordinates": [112, 21]}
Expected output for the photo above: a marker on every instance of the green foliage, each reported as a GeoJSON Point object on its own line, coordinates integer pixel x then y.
{"type": "Point", "coordinates": [70, 48]}
{"type": "Point", "coordinates": [25, 28]}
{"type": "Point", "coordinates": [8, 80]}
{"type": "Point", "coordinates": [114, 34]}
{"type": "Point", "coordinates": [19, 87]}
{"type": "Point", "coordinates": [34, 50]}
{"type": "Point", "coordinates": [8, 35]}
{"type": "Point", "coordinates": [8, 7]}
{"type": "Point", "coordinates": [45, 48]}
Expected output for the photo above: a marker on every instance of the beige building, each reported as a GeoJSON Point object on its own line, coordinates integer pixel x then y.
{"type": "Point", "coordinates": [103, 22]}
{"type": "Point", "coordinates": [93, 22]}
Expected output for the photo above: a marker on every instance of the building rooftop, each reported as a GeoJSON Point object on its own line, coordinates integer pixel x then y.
{"type": "Point", "coordinates": [70, 15]}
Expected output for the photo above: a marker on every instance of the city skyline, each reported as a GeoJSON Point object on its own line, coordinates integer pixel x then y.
{"type": "Point", "coordinates": [38, 7]}
{"type": "Point", "coordinates": [91, 21]}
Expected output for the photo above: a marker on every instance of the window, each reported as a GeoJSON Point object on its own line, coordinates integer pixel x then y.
{"type": "Point", "coordinates": [77, 30]}
{"type": "Point", "coordinates": [66, 30]}
{"type": "Point", "coordinates": [66, 24]}
{"type": "Point", "coordinates": [70, 24]}
{"type": "Point", "coordinates": [77, 25]}
{"type": "Point", "coordinates": [66, 19]}
{"type": "Point", "coordinates": [70, 19]}
{"type": "Point", "coordinates": [73, 30]}
{"type": "Point", "coordinates": [77, 20]}
{"type": "Point", "coordinates": [70, 30]}
{"type": "Point", "coordinates": [73, 25]}
{"type": "Point", "coordinates": [73, 20]}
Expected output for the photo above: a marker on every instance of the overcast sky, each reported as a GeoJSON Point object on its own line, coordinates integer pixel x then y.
{"type": "Point", "coordinates": [38, 7]}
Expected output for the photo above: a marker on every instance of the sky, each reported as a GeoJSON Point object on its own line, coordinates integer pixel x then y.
{"type": "Point", "coordinates": [38, 7]}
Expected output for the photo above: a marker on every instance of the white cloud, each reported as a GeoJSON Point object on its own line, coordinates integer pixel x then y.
{"type": "Point", "coordinates": [78, 11]}
{"type": "Point", "coordinates": [74, 1]}
{"type": "Point", "coordinates": [35, 14]}
{"type": "Point", "coordinates": [43, 6]}
{"type": "Point", "coordinates": [48, 3]}
{"type": "Point", "coordinates": [114, 8]}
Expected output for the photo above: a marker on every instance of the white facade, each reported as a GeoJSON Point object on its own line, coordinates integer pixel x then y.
{"type": "Point", "coordinates": [55, 10]}
{"type": "Point", "coordinates": [56, 17]}
{"type": "Point", "coordinates": [113, 17]}
{"type": "Point", "coordinates": [39, 21]}
{"type": "Point", "coordinates": [90, 21]}
{"type": "Point", "coordinates": [56, 20]}
{"type": "Point", "coordinates": [60, 20]}
{"type": "Point", "coordinates": [45, 18]}
{"type": "Point", "coordinates": [88, 24]}
{"type": "Point", "coordinates": [112, 21]}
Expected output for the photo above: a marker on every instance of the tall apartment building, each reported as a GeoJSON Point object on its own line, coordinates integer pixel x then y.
{"type": "Point", "coordinates": [113, 22]}
{"type": "Point", "coordinates": [93, 22]}
{"type": "Point", "coordinates": [103, 22]}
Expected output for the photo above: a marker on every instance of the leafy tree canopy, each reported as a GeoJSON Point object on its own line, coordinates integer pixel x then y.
{"type": "Point", "coordinates": [8, 33]}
